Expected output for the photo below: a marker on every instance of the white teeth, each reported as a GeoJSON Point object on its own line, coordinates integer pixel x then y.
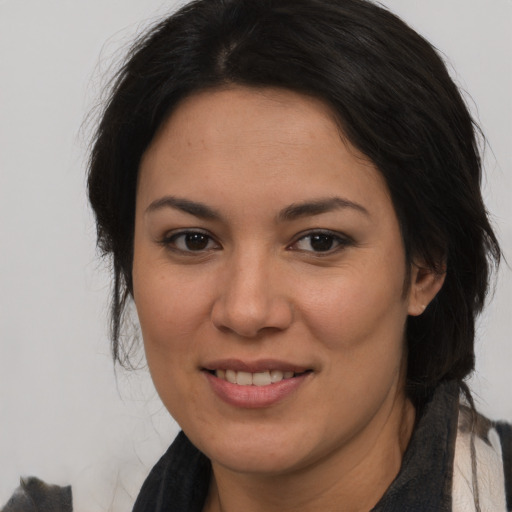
{"type": "Point", "coordinates": [244, 378]}
{"type": "Point", "coordinates": [276, 375]}
{"type": "Point", "coordinates": [261, 379]}
{"type": "Point", "coordinates": [230, 376]}
{"type": "Point", "coordinates": [255, 379]}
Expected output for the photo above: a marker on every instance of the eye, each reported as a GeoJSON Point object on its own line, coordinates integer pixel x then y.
{"type": "Point", "coordinates": [320, 242]}
{"type": "Point", "coordinates": [190, 241]}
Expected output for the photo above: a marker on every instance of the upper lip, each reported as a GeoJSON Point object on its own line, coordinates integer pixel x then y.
{"type": "Point", "coordinates": [260, 365]}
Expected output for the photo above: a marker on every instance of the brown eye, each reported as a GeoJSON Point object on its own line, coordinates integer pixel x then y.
{"type": "Point", "coordinates": [196, 241]}
{"type": "Point", "coordinates": [190, 241]}
{"type": "Point", "coordinates": [321, 242]}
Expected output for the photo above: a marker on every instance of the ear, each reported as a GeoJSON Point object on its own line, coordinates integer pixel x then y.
{"type": "Point", "coordinates": [425, 284]}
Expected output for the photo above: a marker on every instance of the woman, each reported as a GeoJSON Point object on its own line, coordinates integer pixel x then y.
{"type": "Point", "coordinates": [290, 192]}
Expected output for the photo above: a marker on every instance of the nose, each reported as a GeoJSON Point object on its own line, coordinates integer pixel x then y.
{"type": "Point", "coordinates": [252, 298]}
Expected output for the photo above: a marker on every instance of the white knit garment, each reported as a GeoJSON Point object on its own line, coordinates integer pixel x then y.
{"type": "Point", "coordinates": [490, 474]}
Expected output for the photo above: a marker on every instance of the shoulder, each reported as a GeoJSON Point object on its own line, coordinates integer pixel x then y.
{"type": "Point", "coordinates": [482, 463]}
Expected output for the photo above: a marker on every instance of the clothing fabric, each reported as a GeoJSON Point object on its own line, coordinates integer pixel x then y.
{"type": "Point", "coordinates": [487, 480]}
{"type": "Point", "coordinates": [436, 473]}
{"type": "Point", "coordinates": [34, 495]}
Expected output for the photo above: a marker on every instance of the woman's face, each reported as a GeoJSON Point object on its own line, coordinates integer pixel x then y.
{"type": "Point", "coordinates": [267, 251]}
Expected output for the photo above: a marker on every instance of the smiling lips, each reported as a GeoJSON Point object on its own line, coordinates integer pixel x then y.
{"type": "Point", "coordinates": [243, 388]}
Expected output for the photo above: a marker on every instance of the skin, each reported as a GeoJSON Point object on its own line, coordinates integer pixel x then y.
{"type": "Point", "coordinates": [259, 288]}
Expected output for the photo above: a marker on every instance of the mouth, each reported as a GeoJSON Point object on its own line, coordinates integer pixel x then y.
{"type": "Point", "coordinates": [255, 385]}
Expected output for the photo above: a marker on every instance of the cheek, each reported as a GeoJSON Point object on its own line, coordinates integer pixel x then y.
{"type": "Point", "coordinates": [360, 324]}
{"type": "Point", "coordinates": [171, 307]}
{"type": "Point", "coordinates": [360, 308]}
{"type": "Point", "coordinates": [170, 317]}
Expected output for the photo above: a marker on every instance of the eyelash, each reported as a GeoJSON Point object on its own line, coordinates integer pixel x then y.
{"type": "Point", "coordinates": [332, 238]}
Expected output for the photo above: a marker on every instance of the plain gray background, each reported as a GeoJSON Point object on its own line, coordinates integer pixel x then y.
{"type": "Point", "coordinates": [63, 415]}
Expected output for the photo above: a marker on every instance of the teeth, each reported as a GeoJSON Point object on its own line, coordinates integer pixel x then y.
{"type": "Point", "coordinates": [254, 379]}
{"type": "Point", "coordinates": [261, 379]}
{"type": "Point", "coordinates": [244, 378]}
{"type": "Point", "coordinates": [230, 376]}
{"type": "Point", "coordinates": [276, 376]}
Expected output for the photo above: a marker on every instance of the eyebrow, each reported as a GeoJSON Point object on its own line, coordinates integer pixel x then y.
{"type": "Point", "coordinates": [317, 207]}
{"type": "Point", "coordinates": [199, 210]}
{"type": "Point", "coordinates": [292, 212]}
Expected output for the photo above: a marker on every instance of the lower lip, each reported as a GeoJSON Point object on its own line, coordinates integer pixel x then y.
{"type": "Point", "coordinates": [254, 397]}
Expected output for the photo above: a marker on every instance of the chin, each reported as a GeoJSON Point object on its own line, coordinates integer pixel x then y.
{"type": "Point", "coordinates": [258, 462]}
{"type": "Point", "coordinates": [256, 451]}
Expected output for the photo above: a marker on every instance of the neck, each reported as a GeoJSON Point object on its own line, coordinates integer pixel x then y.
{"type": "Point", "coordinates": [354, 477]}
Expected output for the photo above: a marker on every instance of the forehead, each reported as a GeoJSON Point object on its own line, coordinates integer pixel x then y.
{"type": "Point", "coordinates": [243, 140]}
{"type": "Point", "coordinates": [245, 117]}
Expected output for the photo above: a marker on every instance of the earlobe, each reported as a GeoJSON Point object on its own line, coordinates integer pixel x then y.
{"type": "Point", "coordinates": [425, 285]}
